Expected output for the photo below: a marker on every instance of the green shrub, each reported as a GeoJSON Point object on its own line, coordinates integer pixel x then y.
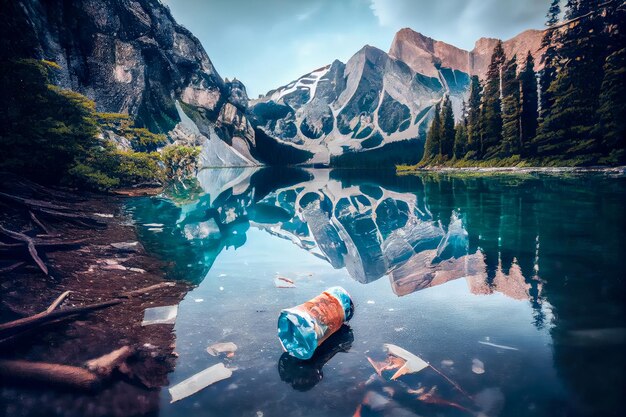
{"type": "Point", "coordinates": [180, 161]}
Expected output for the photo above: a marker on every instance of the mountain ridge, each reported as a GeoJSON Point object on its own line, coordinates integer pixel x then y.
{"type": "Point", "coordinates": [423, 54]}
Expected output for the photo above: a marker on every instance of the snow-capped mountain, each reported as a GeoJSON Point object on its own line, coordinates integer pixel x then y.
{"type": "Point", "coordinates": [371, 102]}
{"type": "Point", "coordinates": [375, 109]}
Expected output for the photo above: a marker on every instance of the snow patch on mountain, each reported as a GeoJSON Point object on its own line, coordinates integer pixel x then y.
{"type": "Point", "coordinates": [307, 82]}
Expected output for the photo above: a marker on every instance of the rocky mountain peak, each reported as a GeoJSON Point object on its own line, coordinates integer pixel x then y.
{"type": "Point", "coordinates": [426, 55]}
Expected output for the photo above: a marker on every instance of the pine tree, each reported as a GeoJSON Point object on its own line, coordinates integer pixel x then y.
{"type": "Point", "coordinates": [460, 140]}
{"type": "Point", "coordinates": [473, 117]}
{"type": "Point", "coordinates": [529, 112]}
{"type": "Point", "coordinates": [612, 111]}
{"type": "Point", "coordinates": [549, 58]}
{"type": "Point", "coordinates": [491, 112]}
{"type": "Point", "coordinates": [510, 109]}
{"type": "Point", "coordinates": [569, 123]}
{"type": "Point", "coordinates": [433, 138]}
{"type": "Point", "coordinates": [447, 129]}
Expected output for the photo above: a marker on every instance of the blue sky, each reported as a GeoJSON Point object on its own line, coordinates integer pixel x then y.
{"type": "Point", "coordinates": [268, 43]}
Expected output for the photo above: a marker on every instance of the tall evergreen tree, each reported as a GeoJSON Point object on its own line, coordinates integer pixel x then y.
{"type": "Point", "coordinates": [529, 112]}
{"type": "Point", "coordinates": [549, 58]}
{"type": "Point", "coordinates": [510, 109]}
{"type": "Point", "coordinates": [460, 140]}
{"type": "Point", "coordinates": [447, 129]}
{"type": "Point", "coordinates": [612, 111]}
{"type": "Point", "coordinates": [567, 127]}
{"type": "Point", "coordinates": [491, 112]}
{"type": "Point", "coordinates": [473, 116]}
{"type": "Point", "coordinates": [433, 138]}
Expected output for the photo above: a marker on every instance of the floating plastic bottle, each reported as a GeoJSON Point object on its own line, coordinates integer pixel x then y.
{"type": "Point", "coordinates": [303, 328]}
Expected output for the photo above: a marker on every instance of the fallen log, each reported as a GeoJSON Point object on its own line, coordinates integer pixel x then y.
{"type": "Point", "coordinates": [94, 373]}
{"type": "Point", "coordinates": [48, 374]}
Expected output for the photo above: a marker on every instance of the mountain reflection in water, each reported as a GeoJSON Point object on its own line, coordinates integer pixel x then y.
{"type": "Point", "coordinates": [370, 230]}
{"type": "Point", "coordinates": [554, 241]}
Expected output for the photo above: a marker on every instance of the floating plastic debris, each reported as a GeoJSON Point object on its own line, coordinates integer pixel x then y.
{"type": "Point", "coordinates": [199, 381]}
{"type": "Point", "coordinates": [478, 367]}
{"type": "Point", "coordinates": [160, 315]}
{"type": "Point", "coordinates": [497, 346]}
{"type": "Point", "coordinates": [412, 363]}
{"type": "Point", "coordinates": [303, 328]}
{"type": "Point", "coordinates": [447, 362]}
{"type": "Point", "coordinates": [371, 302]}
{"type": "Point", "coordinates": [282, 282]}
{"type": "Point", "coordinates": [406, 363]}
{"type": "Point", "coordinates": [217, 348]}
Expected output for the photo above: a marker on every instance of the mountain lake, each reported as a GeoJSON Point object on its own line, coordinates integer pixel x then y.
{"type": "Point", "coordinates": [509, 285]}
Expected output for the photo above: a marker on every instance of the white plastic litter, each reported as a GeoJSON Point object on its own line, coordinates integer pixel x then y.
{"type": "Point", "coordinates": [478, 367]}
{"type": "Point", "coordinates": [199, 381]}
{"type": "Point", "coordinates": [160, 315]}
{"type": "Point", "coordinates": [413, 363]}
{"type": "Point", "coordinates": [217, 348]}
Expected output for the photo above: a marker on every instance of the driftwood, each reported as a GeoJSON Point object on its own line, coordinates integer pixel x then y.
{"type": "Point", "coordinates": [92, 375]}
{"type": "Point", "coordinates": [105, 365]}
{"type": "Point", "coordinates": [10, 181]}
{"type": "Point", "coordinates": [48, 373]}
{"type": "Point", "coordinates": [140, 291]}
{"type": "Point", "coordinates": [51, 315]}
{"type": "Point", "coordinates": [30, 244]}
{"type": "Point", "coordinates": [31, 203]}
{"type": "Point", "coordinates": [39, 223]}
{"type": "Point", "coordinates": [11, 267]}
{"type": "Point", "coordinates": [52, 210]}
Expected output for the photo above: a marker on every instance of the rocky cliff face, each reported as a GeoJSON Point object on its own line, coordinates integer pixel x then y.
{"type": "Point", "coordinates": [424, 54]}
{"type": "Point", "coordinates": [130, 56]}
{"type": "Point", "coordinates": [365, 105]}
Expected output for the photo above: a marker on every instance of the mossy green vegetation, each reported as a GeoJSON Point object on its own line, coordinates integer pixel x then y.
{"type": "Point", "coordinates": [52, 136]}
{"type": "Point", "coordinates": [181, 161]}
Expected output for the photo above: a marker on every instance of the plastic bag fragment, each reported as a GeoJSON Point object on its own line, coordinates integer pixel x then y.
{"type": "Point", "coordinates": [160, 315]}
{"type": "Point", "coordinates": [217, 348]}
{"type": "Point", "coordinates": [199, 381]}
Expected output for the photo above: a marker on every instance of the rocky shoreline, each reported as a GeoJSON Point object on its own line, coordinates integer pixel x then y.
{"type": "Point", "coordinates": [110, 265]}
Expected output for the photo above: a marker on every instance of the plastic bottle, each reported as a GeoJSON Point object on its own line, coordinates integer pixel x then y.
{"type": "Point", "coordinates": [301, 329]}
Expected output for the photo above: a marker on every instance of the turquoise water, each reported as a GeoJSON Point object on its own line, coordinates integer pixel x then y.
{"type": "Point", "coordinates": [510, 285]}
